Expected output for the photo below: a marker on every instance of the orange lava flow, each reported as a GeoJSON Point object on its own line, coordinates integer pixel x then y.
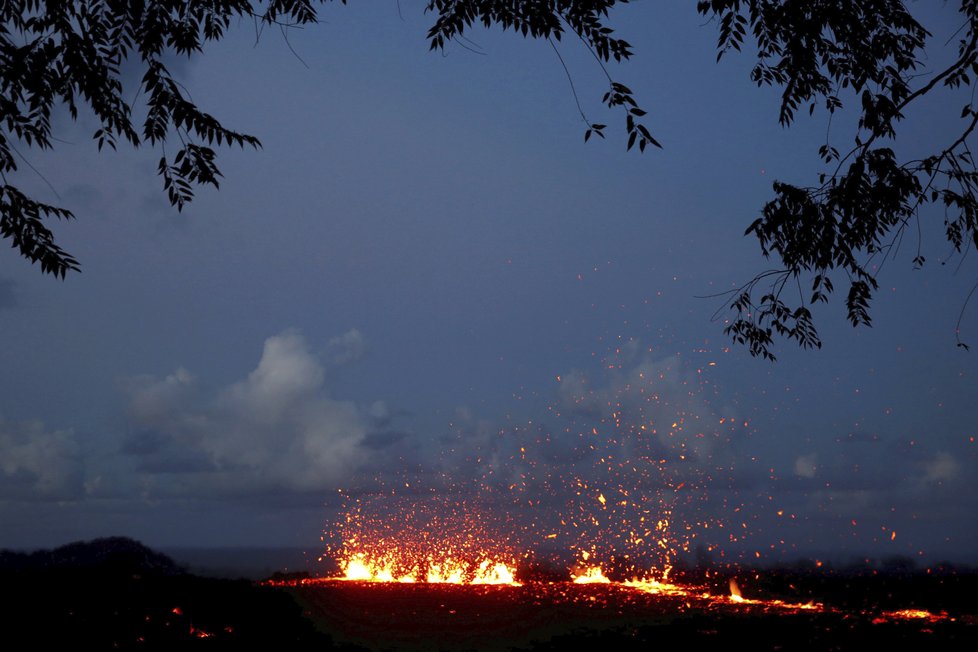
{"type": "Point", "coordinates": [911, 614]}
{"type": "Point", "coordinates": [362, 568]}
{"type": "Point", "coordinates": [358, 568]}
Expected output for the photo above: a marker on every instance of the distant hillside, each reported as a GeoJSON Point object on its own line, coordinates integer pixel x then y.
{"type": "Point", "coordinates": [118, 553]}
{"type": "Point", "coordinates": [116, 593]}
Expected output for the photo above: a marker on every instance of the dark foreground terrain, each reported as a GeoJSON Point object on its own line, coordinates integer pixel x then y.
{"type": "Point", "coordinates": [540, 616]}
{"type": "Point", "coordinates": [116, 593]}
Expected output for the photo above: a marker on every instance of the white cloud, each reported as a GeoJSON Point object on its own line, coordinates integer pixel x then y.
{"type": "Point", "coordinates": [347, 347]}
{"type": "Point", "coordinates": [379, 411]}
{"type": "Point", "coordinates": [941, 468]}
{"type": "Point", "coordinates": [287, 377]}
{"type": "Point", "coordinates": [152, 400]}
{"type": "Point", "coordinates": [277, 429]}
{"type": "Point", "coordinates": [37, 464]}
{"type": "Point", "coordinates": [806, 465]}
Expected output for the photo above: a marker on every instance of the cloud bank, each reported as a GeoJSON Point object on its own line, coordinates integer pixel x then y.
{"type": "Point", "coordinates": [37, 464]}
{"type": "Point", "coordinates": [621, 446]}
{"type": "Point", "coordinates": [277, 430]}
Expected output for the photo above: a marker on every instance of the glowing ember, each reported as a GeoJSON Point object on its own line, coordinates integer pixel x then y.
{"type": "Point", "coordinates": [200, 633]}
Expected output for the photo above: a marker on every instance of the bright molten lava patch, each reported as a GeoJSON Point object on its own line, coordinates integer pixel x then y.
{"type": "Point", "coordinates": [361, 567]}
{"type": "Point", "coordinates": [591, 575]}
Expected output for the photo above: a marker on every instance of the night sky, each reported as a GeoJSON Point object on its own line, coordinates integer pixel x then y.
{"type": "Point", "coordinates": [425, 269]}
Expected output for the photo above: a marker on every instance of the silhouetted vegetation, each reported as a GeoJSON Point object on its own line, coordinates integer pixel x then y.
{"type": "Point", "coordinates": [867, 57]}
{"type": "Point", "coordinates": [71, 53]}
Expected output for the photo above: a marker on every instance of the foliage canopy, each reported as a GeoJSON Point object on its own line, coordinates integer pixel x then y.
{"type": "Point", "coordinates": [827, 53]}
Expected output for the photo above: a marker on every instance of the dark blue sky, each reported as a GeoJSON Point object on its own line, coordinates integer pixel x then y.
{"type": "Point", "coordinates": [421, 248]}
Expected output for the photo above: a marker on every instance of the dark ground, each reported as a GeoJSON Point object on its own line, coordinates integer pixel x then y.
{"type": "Point", "coordinates": [116, 593]}
{"type": "Point", "coordinates": [857, 612]}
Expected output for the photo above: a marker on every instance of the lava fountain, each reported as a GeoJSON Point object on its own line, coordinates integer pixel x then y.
{"type": "Point", "coordinates": [614, 489]}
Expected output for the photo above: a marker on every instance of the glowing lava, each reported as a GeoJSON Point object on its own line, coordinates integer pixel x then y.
{"type": "Point", "coordinates": [360, 567]}
{"type": "Point", "coordinates": [487, 573]}
{"type": "Point", "coordinates": [735, 595]}
{"type": "Point", "coordinates": [592, 575]}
